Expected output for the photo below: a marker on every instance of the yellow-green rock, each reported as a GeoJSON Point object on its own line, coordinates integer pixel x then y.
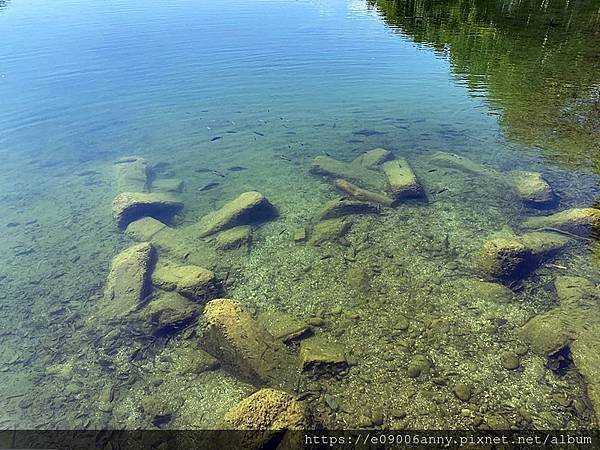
{"type": "Point", "coordinates": [249, 207]}
{"type": "Point", "coordinates": [130, 206]}
{"type": "Point", "coordinates": [401, 179]}
{"type": "Point", "coordinates": [194, 282]}
{"type": "Point", "coordinates": [234, 238]}
{"type": "Point", "coordinates": [579, 221]}
{"type": "Point", "coordinates": [230, 333]}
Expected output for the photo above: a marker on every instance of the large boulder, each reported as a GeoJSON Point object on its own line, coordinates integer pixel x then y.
{"type": "Point", "coordinates": [401, 179]}
{"type": "Point", "coordinates": [132, 174]}
{"type": "Point", "coordinates": [578, 221]}
{"type": "Point", "coordinates": [249, 207]}
{"type": "Point", "coordinates": [194, 282]}
{"type": "Point", "coordinates": [130, 206]}
{"type": "Point", "coordinates": [532, 188]}
{"type": "Point", "coordinates": [230, 333]}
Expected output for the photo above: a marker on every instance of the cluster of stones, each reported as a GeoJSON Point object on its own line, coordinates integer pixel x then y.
{"type": "Point", "coordinates": [159, 286]}
{"type": "Point", "coordinates": [378, 179]}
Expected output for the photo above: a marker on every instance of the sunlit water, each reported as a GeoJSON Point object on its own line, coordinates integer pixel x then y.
{"type": "Point", "coordinates": [200, 87]}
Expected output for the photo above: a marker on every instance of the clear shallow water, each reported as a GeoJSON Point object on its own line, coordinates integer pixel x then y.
{"type": "Point", "coordinates": [279, 83]}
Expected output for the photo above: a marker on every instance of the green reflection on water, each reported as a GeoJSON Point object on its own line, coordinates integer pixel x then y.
{"type": "Point", "coordinates": [538, 61]}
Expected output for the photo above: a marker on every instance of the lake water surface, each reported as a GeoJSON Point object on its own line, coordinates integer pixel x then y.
{"type": "Point", "coordinates": [238, 96]}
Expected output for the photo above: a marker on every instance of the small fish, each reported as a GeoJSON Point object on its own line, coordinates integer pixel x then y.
{"type": "Point", "coordinates": [237, 168]}
{"type": "Point", "coordinates": [442, 190]}
{"type": "Point", "coordinates": [209, 186]}
{"type": "Point", "coordinates": [285, 158]}
{"type": "Point", "coordinates": [258, 133]}
{"type": "Point", "coordinates": [432, 170]}
{"type": "Point", "coordinates": [202, 170]}
{"type": "Point", "coordinates": [354, 141]}
{"type": "Point", "coordinates": [216, 138]}
{"type": "Point", "coordinates": [231, 131]}
{"type": "Point", "coordinates": [367, 133]}
{"type": "Point", "coordinates": [318, 125]}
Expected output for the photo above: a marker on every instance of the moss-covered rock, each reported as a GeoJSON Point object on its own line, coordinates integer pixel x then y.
{"type": "Point", "coordinates": [168, 185]}
{"type": "Point", "coordinates": [188, 358]}
{"type": "Point", "coordinates": [363, 194]}
{"type": "Point", "coordinates": [354, 171]}
{"type": "Point", "coordinates": [234, 238]}
{"type": "Point", "coordinates": [170, 312]}
{"type": "Point", "coordinates": [373, 158]}
{"type": "Point", "coordinates": [284, 326]}
{"type": "Point", "coordinates": [263, 421]}
{"type": "Point", "coordinates": [128, 282]}
{"type": "Point", "coordinates": [130, 206]}
{"type": "Point", "coordinates": [575, 324]}
{"type": "Point", "coordinates": [230, 333]}
{"type": "Point", "coordinates": [335, 209]}
{"type": "Point", "coordinates": [194, 282]}
{"type": "Point", "coordinates": [320, 358]}
{"type": "Point", "coordinates": [331, 230]}
{"type": "Point", "coordinates": [510, 257]}
{"type": "Point", "coordinates": [144, 229]}
{"type": "Point", "coordinates": [532, 188]}
{"type": "Point", "coordinates": [267, 409]}
{"type": "Point", "coordinates": [579, 221]}
{"type": "Point", "coordinates": [457, 162]}
{"type": "Point", "coordinates": [249, 207]}
{"type": "Point", "coordinates": [132, 174]}
{"type": "Point", "coordinates": [504, 258]}
{"type": "Point", "coordinates": [401, 179]}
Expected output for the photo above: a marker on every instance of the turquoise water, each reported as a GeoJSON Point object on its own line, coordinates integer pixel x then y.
{"type": "Point", "coordinates": [200, 87]}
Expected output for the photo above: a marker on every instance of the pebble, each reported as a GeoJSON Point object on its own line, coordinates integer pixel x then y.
{"type": "Point", "coordinates": [462, 391]}
{"type": "Point", "coordinates": [510, 361]}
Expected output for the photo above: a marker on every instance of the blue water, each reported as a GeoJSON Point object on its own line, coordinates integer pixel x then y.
{"type": "Point", "coordinates": [266, 85]}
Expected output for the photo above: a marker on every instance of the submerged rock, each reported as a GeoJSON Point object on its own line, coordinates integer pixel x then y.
{"type": "Point", "coordinates": [194, 282]}
{"type": "Point", "coordinates": [132, 174]}
{"type": "Point", "coordinates": [189, 358]}
{"type": "Point", "coordinates": [168, 185]}
{"type": "Point", "coordinates": [363, 194]}
{"type": "Point", "coordinates": [128, 282]}
{"type": "Point", "coordinates": [344, 207]}
{"type": "Point", "coordinates": [531, 187]}
{"type": "Point", "coordinates": [401, 179]}
{"type": "Point", "coordinates": [354, 171]}
{"type": "Point", "coordinates": [578, 221]}
{"type": "Point", "coordinates": [144, 229]}
{"type": "Point", "coordinates": [170, 312]}
{"type": "Point", "coordinates": [234, 238]}
{"type": "Point", "coordinates": [574, 325]}
{"type": "Point", "coordinates": [453, 161]}
{"type": "Point", "coordinates": [320, 358]}
{"type": "Point", "coordinates": [373, 158]}
{"type": "Point", "coordinates": [504, 258]}
{"type": "Point", "coordinates": [283, 326]}
{"type": "Point", "coordinates": [330, 230]}
{"type": "Point", "coordinates": [262, 421]}
{"type": "Point", "coordinates": [267, 409]}
{"type": "Point", "coordinates": [234, 337]}
{"type": "Point", "coordinates": [130, 206]}
{"type": "Point", "coordinates": [249, 207]}
{"type": "Point", "coordinates": [516, 256]}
